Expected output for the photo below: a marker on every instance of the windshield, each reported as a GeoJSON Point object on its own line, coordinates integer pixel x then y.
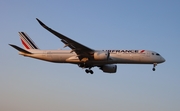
{"type": "Point", "coordinates": [157, 54]}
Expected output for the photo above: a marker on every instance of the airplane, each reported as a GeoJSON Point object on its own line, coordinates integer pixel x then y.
{"type": "Point", "coordinates": [84, 56]}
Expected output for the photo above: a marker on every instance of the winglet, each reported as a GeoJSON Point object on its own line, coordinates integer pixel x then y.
{"type": "Point", "coordinates": [41, 23]}
{"type": "Point", "coordinates": [20, 49]}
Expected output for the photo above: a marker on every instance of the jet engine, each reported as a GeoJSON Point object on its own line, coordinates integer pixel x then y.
{"type": "Point", "coordinates": [101, 55]}
{"type": "Point", "coordinates": [109, 68]}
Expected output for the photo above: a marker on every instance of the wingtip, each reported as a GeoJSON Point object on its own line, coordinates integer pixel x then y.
{"type": "Point", "coordinates": [41, 23]}
{"type": "Point", "coordinates": [11, 44]}
{"type": "Point", "coordinates": [37, 19]}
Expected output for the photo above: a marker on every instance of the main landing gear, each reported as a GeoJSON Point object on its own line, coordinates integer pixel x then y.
{"type": "Point", "coordinates": [89, 71]}
{"type": "Point", "coordinates": [154, 65]}
{"type": "Point", "coordinates": [88, 68]}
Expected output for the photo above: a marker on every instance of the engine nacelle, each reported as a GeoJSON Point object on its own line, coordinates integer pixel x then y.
{"type": "Point", "coordinates": [101, 55]}
{"type": "Point", "coordinates": [109, 68]}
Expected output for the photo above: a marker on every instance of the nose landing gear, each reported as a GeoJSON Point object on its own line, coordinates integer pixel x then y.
{"type": "Point", "coordinates": [154, 65]}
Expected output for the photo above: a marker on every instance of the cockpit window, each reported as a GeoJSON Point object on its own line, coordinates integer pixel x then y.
{"type": "Point", "coordinates": [157, 54]}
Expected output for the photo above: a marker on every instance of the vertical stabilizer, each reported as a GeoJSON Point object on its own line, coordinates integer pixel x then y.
{"type": "Point", "coordinates": [27, 42]}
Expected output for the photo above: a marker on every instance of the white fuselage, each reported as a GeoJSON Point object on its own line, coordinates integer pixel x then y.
{"type": "Point", "coordinates": [84, 56]}
{"type": "Point", "coordinates": [116, 56]}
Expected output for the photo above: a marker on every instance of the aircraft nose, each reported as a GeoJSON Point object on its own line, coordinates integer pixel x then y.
{"type": "Point", "coordinates": [163, 60]}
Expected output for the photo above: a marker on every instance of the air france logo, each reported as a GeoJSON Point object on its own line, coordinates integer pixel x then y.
{"type": "Point", "coordinates": [125, 51]}
{"type": "Point", "coordinates": [122, 51]}
{"type": "Point", "coordinates": [142, 51]}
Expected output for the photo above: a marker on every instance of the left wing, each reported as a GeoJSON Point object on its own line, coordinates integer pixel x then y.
{"type": "Point", "coordinates": [81, 50]}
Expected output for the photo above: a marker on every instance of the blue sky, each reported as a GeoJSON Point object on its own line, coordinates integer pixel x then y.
{"type": "Point", "coordinates": [27, 84]}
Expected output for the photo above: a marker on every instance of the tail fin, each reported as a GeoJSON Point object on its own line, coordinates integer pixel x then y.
{"type": "Point", "coordinates": [27, 42]}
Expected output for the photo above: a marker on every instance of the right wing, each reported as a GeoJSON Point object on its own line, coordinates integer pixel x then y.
{"type": "Point", "coordinates": [81, 50]}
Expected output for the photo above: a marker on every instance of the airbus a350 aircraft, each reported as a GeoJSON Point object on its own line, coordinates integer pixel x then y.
{"type": "Point", "coordinates": [86, 57]}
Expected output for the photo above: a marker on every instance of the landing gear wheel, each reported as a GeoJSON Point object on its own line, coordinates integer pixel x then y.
{"type": "Point", "coordinates": [91, 71]}
{"type": "Point", "coordinates": [87, 71]}
{"type": "Point", "coordinates": [154, 69]}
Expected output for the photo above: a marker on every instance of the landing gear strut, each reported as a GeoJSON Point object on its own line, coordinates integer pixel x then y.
{"type": "Point", "coordinates": [154, 65]}
{"type": "Point", "coordinates": [89, 71]}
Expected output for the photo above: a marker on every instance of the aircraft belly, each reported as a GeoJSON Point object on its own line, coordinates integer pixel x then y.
{"type": "Point", "coordinates": [59, 58]}
{"type": "Point", "coordinates": [49, 57]}
{"type": "Point", "coordinates": [38, 56]}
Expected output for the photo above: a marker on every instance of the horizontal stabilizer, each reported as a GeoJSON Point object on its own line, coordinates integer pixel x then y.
{"type": "Point", "coordinates": [20, 49]}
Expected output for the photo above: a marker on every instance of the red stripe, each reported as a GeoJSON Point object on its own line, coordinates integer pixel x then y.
{"type": "Point", "coordinates": [24, 44]}
{"type": "Point", "coordinates": [142, 51]}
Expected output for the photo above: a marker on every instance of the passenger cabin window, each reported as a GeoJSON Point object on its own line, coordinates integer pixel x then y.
{"type": "Point", "coordinates": [152, 53]}
{"type": "Point", "coordinates": [158, 54]}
